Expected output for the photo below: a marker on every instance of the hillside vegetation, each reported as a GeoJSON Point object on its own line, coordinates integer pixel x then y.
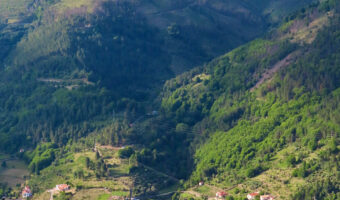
{"type": "Point", "coordinates": [98, 87]}
{"type": "Point", "coordinates": [280, 137]}
{"type": "Point", "coordinates": [74, 63]}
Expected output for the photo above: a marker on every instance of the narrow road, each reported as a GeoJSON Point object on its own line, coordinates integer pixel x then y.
{"type": "Point", "coordinates": [51, 191]}
{"type": "Point", "coordinates": [163, 194]}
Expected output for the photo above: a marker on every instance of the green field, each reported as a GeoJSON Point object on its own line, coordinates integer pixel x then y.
{"type": "Point", "coordinates": [65, 5]}
{"type": "Point", "coordinates": [116, 193]}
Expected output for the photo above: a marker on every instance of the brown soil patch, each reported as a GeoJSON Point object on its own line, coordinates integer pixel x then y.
{"type": "Point", "coordinates": [275, 68]}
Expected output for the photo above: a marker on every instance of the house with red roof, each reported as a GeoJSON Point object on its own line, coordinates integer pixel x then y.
{"type": "Point", "coordinates": [253, 195]}
{"type": "Point", "coordinates": [62, 187]}
{"type": "Point", "coordinates": [26, 192]}
{"type": "Point", "coordinates": [221, 194]}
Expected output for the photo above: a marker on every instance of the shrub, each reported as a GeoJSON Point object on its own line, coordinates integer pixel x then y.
{"type": "Point", "coordinates": [254, 171]}
{"type": "Point", "coordinates": [126, 152]}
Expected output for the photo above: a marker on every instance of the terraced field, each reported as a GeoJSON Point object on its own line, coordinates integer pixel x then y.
{"type": "Point", "coordinates": [15, 172]}
{"type": "Point", "coordinates": [88, 187]}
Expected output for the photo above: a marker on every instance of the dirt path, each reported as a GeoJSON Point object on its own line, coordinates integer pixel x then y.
{"type": "Point", "coordinates": [51, 191]}
{"type": "Point", "coordinates": [55, 80]}
{"type": "Point", "coordinates": [165, 194]}
{"type": "Point", "coordinates": [275, 68]}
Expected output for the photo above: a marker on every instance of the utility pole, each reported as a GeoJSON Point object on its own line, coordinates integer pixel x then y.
{"type": "Point", "coordinates": [130, 193]}
{"type": "Point", "coordinates": [94, 145]}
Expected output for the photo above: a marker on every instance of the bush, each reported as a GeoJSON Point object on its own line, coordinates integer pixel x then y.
{"type": "Point", "coordinates": [312, 145]}
{"type": "Point", "coordinates": [301, 172]}
{"type": "Point", "coordinates": [126, 152]}
{"type": "Point", "coordinates": [254, 171]}
{"type": "Point", "coordinates": [291, 160]}
{"type": "Point", "coordinates": [333, 146]}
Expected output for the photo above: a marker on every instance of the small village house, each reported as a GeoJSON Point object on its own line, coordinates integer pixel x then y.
{"type": "Point", "coordinates": [62, 187]}
{"type": "Point", "coordinates": [26, 192]}
{"type": "Point", "coordinates": [267, 197]}
{"type": "Point", "coordinates": [221, 195]}
{"type": "Point", "coordinates": [201, 183]}
{"type": "Point", "coordinates": [253, 195]}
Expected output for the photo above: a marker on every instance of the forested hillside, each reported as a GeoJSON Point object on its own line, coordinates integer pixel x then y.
{"type": "Point", "coordinates": [265, 117]}
{"type": "Point", "coordinates": [66, 66]}
{"type": "Point", "coordinates": [156, 96]}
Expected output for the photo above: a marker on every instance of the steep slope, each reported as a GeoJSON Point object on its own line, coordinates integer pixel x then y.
{"type": "Point", "coordinates": [265, 117]}
{"type": "Point", "coordinates": [15, 18]}
{"type": "Point", "coordinates": [201, 30]}
{"type": "Point", "coordinates": [77, 62]}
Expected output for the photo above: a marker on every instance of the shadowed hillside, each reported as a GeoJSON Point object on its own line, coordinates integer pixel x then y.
{"type": "Point", "coordinates": [125, 49]}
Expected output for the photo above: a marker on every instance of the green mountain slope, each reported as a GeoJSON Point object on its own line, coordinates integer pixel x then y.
{"type": "Point", "coordinates": [74, 62]}
{"type": "Point", "coordinates": [266, 115]}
